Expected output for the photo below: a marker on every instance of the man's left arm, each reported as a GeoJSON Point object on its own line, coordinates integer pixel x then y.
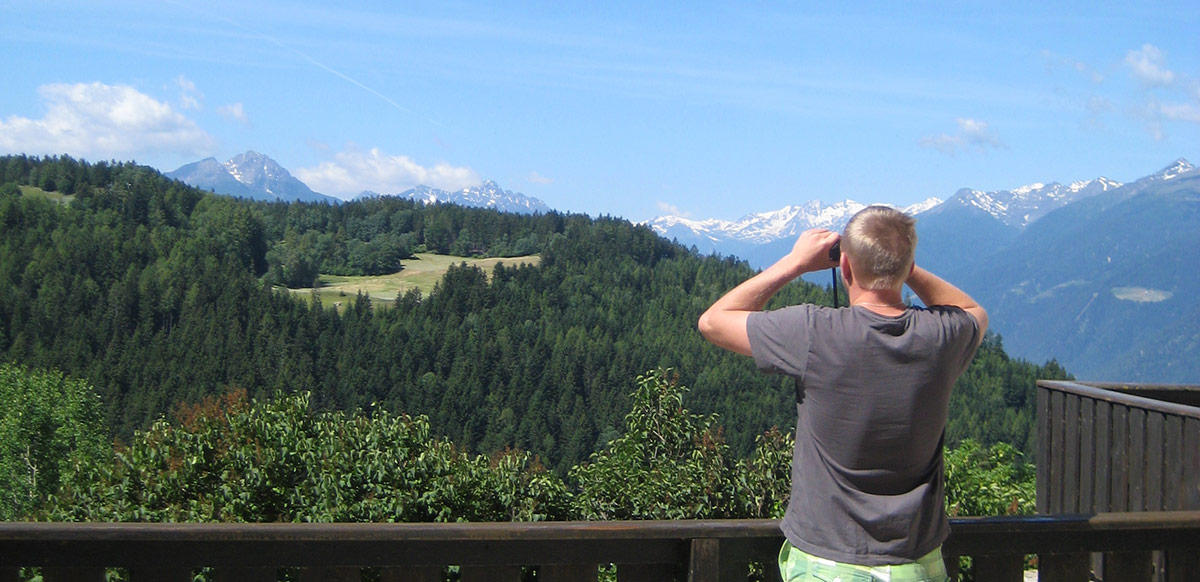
{"type": "Point", "coordinates": [724, 323]}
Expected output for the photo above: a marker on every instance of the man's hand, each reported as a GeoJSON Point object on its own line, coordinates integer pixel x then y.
{"type": "Point", "coordinates": [811, 251]}
{"type": "Point", "coordinates": [724, 324]}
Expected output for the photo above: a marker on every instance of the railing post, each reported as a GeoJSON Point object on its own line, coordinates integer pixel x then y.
{"type": "Point", "coordinates": [411, 574]}
{"type": "Point", "coordinates": [1128, 566]}
{"type": "Point", "coordinates": [1064, 567]}
{"type": "Point", "coordinates": [1004, 568]}
{"type": "Point", "coordinates": [246, 575]}
{"type": "Point", "coordinates": [568, 573]}
{"type": "Point", "coordinates": [56, 574]}
{"type": "Point", "coordinates": [645, 572]}
{"type": "Point", "coordinates": [1182, 565]}
{"type": "Point", "coordinates": [704, 561]}
{"type": "Point", "coordinates": [951, 565]}
{"type": "Point", "coordinates": [490, 573]}
{"type": "Point", "coordinates": [332, 574]}
{"type": "Point", "coordinates": [180, 574]}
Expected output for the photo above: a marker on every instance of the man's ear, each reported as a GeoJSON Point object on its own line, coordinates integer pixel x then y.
{"type": "Point", "coordinates": [847, 273]}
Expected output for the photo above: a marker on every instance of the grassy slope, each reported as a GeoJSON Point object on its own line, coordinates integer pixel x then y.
{"type": "Point", "coordinates": [422, 273]}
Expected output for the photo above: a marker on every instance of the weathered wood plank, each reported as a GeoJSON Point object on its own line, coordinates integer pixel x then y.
{"type": "Point", "coordinates": [1191, 463]}
{"type": "Point", "coordinates": [1118, 490]}
{"type": "Point", "coordinates": [1137, 460]}
{"type": "Point", "coordinates": [1173, 478]}
{"type": "Point", "coordinates": [1057, 461]}
{"type": "Point", "coordinates": [1103, 455]}
{"type": "Point", "coordinates": [704, 561]}
{"type": "Point", "coordinates": [1087, 455]}
{"type": "Point", "coordinates": [1064, 567]}
{"type": "Point", "coordinates": [1155, 469]}
{"type": "Point", "coordinates": [1044, 452]}
{"type": "Point", "coordinates": [1071, 453]}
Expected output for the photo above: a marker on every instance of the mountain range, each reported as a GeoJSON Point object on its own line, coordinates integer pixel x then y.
{"type": "Point", "coordinates": [488, 195]}
{"type": "Point", "coordinates": [1095, 274]}
{"type": "Point", "coordinates": [258, 177]}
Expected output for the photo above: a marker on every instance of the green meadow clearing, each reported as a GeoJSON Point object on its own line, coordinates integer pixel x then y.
{"type": "Point", "coordinates": [422, 273]}
{"type": "Point", "coordinates": [55, 196]}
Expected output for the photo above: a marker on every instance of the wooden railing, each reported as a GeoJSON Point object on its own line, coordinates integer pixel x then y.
{"type": "Point", "coordinates": [695, 551]}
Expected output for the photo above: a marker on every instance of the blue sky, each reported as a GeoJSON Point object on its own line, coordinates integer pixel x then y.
{"type": "Point", "coordinates": [708, 110]}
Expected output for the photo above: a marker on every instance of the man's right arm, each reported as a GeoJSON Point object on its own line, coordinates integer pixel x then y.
{"type": "Point", "coordinates": [934, 290]}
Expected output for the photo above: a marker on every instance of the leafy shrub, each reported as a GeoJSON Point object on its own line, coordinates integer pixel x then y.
{"type": "Point", "coordinates": [48, 425]}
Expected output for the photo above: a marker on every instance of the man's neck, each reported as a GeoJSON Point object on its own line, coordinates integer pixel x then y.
{"type": "Point", "coordinates": [884, 302]}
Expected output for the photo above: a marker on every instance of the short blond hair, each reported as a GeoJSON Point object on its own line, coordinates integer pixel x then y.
{"type": "Point", "coordinates": [881, 242]}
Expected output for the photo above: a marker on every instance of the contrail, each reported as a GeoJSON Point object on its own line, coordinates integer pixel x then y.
{"type": "Point", "coordinates": [311, 60]}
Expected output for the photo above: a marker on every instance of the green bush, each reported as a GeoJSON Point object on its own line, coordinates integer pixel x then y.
{"type": "Point", "coordinates": [49, 425]}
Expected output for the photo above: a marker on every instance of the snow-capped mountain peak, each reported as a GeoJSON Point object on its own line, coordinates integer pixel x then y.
{"type": "Point", "coordinates": [249, 175]}
{"type": "Point", "coordinates": [772, 225]}
{"type": "Point", "coordinates": [1023, 205]}
{"type": "Point", "coordinates": [487, 195]}
{"type": "Point", "coordinates": [1179, 167]}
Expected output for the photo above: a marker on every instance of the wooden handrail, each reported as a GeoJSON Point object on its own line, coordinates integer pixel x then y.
{"type": "Point", "coordinates": [703, 549]}
{"type": "Point", "coordinates": [1108, 392]}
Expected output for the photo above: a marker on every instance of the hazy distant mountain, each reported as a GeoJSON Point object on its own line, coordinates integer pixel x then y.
{"type": "Point", "coordinates": [249, 175]}
{"type": "Point", "coordinates": [974, 224]}
{"type": "Point", "coordinates": [1096, 274]}
{"type": "Point", "coordinates": [488, 195]}
{"type": "Point", "coordinates": [1106, 285]}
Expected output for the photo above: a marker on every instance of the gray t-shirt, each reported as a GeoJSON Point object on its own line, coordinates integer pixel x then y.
{"type": "Point", "coordinates": [872, 399]}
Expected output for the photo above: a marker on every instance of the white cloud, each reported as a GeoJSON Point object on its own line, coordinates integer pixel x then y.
{"type": "Point", "coordinates": [672, 210]}
{"type": "Point", "coordinates": [1181, 112]}
{"type": "Point", "coordinates": [99, 121]}
{"type": "Point", "coordinates": [351, 172]}
{"type": "Point", "coordinates": [234, 111]}
{"type": "Point", "coordinates": [971, 134]}
{"type": "Point", "coordinates": [189, 97]}
{"type": "Point", "coordinates": [1146, 65]}
{"type": "Point", "coordinates": [537, 178]}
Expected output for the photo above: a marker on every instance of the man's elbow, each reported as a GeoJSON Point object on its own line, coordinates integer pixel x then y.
{"type": "Point", "coordinates": [706, 326]}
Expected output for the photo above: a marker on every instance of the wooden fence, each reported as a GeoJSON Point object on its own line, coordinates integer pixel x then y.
{"type": "Point", "coordinates": [642, 551]}
{"type": "Point", "coordinates": [1105, 447]}
{"type": "Point", "coordinates": [1112, 447]}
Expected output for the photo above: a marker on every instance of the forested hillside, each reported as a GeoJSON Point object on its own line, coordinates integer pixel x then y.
{"type": "Point", "coordinates": [157, 293]}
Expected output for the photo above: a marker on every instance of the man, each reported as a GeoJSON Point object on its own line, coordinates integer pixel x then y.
{"type": "Point", "coordinates": [873, 385]}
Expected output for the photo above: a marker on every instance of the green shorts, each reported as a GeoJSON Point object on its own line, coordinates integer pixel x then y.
{"type": "Point", "coordinates": [797, 566]}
